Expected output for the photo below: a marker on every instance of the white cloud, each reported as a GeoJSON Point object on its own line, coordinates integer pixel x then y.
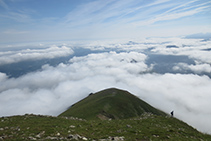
{"type": "Point", "coordinates": [198, 68]}
{"type": "Point", "coordinates": [132, 62]}
{"type": "Point", "coordinates": [187, 94]}
{"type": "Point", "coordinates": [2, 77]}
{"type": "Point", "coordinates": [193, 48]}
{"type": "Point", "coordinates": [104, 19]}
{"type": "Point", "coordinates": [200, 55]}
{"type": "Point", "coordinates": [34, 54]}
{"type": "Point", "coordinates": [100, 12]}
{"type": "Point", "coordinates": [169, 16]}
{"type": "Point", "coordinates": [18, 17]}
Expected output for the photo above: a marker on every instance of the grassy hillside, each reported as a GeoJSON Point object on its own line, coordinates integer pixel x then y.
{"type": "Point", "coordinates": [128, 118]}
{"type": "Point", "coordinates": [110, 104]}
{"type": "Point", "coordinates": [145, 127]}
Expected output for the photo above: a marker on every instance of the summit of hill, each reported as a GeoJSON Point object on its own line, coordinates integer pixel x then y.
{"type": "Point", "coordinates": [110, 104]}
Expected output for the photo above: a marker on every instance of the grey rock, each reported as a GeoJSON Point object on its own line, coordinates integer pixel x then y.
{"type": "Point", "coordinates": [73, 137]}
{"type": "Point", "coordinates": [32, 138]}
{"type": "Point", "coordinates": [129, 126]}
{"type": "Point", "coordinates": [113, 139]}
{"type": "Point", "coordinates": [51, 138]}
{"type": "Point", "coordinates": [72, 126]}
{"type": "Point", "coordinates": [40, 134]}
{"type": "Point", "coordinates": [76, 137]}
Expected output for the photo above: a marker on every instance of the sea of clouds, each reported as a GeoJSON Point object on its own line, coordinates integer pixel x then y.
{"type": "Point", "coordinates": [51, 90]}
{"type": "Point", "coordinates": [8, 57]}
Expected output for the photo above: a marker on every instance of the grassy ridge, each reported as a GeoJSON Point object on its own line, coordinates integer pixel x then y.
{"type": "Point", "coordinates": [129, 118]}
{"type": "Point", "coordinates": [110, 104]}
{"type": "Point", "coordinates": [145, 127]}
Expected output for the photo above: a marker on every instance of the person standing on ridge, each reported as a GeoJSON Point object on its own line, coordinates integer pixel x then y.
{"type": "Point", "coordinates": [172, 113]}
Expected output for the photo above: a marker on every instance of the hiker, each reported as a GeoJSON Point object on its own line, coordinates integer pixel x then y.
{"type": "Point", "coordinates": [172, 113]}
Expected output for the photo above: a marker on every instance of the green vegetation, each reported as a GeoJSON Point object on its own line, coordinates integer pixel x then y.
{"type": "Point", "coordinates": [110, 104]}
{"type": "Point", "coordinates": [145, 127]}
{"type": "Point", "coordinates": [111, 114]}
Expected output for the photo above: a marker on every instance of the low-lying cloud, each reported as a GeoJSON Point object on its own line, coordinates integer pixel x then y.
{"type": "Point", "coordinates": [53, 89]}
{"type": "Point", "coordinates": [197, 68]}
{"type": "Point", "coordinates": [9, 57]}
{"type": "Point", "coordinates": [193, 48]}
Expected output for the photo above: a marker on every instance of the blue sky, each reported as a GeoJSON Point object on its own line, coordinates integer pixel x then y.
{"type": "Point", "coordinates": [46, 20]}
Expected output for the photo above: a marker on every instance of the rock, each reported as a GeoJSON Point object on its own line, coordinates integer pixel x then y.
{"type": "Point", "coordinates": [74, 137]}
{"type": "Point", "coordinates": [1, 129]}
{"type": "Point", "coordinates": [117, 138]}
{"type": "Point", "coordinates": [113, 139]}
{"type": "Point", "coordinates": [103, 139]}
{"type": "Point", "coordinates": [51, 138]}
{"type": "Point", "coordinates": [72, 126]}
{"type": "Point", "coordinates": [62, 138]}
{"type": "Point", "coordinates": [58, 134]}
{"type": "Point", "coordinates": [32, 138]}
{"type": "Point", "coordinates": [84, 138]}
{"type": "Point", "coordinates": [155, 136]}
{"type": "Point", "coordinates": [40, 134]}
{"type": "Point", "coordinates": [18, 129]}
{"type": "Point", "coordinates": [129, 126]}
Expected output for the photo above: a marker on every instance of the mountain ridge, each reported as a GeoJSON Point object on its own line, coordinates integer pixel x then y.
{"type": "Point", "coordinates": [146, 126]}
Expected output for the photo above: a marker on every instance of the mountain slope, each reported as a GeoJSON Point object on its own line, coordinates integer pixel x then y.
{"type": "Point", "coordinates": [146, 127]}
{"type": "Point", "coordinates": [110, 104]}
{"type": "Point", "coordinates": [134, 119]}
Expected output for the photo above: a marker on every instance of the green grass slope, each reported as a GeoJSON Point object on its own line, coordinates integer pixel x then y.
{"type": "Point", "coordinates": [110, 104]}
{"type": "Point", "coordinates": [145, 127]}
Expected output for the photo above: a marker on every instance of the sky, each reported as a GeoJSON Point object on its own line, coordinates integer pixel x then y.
{"type": "Point", "coordinates": [47, 20]}
{"type": "Point", "coordinates": [54, 53]}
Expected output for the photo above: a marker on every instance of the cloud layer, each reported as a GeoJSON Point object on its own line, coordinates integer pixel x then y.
{"type": "Point", "coordinates": [193, 48]}
{"type": "Point", "coordinates": [53, 89]}
{"type": "Point", "coordinates": [38, 92]}
{"type": "Point", "coordinates": [198, 68]}
{"type": "Point", "coordinates": [9, 57]}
